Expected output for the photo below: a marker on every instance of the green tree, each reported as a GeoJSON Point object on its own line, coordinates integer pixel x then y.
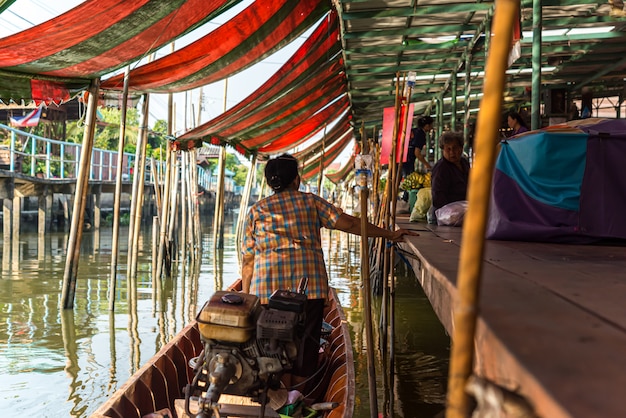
{"type": "Point", "coordinates": [241, 171]}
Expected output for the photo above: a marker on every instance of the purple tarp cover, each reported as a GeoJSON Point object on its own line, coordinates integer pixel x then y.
{"type": "Point", "coordinates": [516, 215]}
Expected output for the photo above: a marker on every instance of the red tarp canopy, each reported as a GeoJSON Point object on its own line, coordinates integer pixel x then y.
{"type": "Point", "coordinates": [292, 106]}
{"type": "Point", "coordinates": [256, 32]}
{"type": "Point", "coordinates": [93, 39]}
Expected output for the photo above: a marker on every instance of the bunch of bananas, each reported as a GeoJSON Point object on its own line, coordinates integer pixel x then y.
{"type": "Point", "coordinates": [415, 180]}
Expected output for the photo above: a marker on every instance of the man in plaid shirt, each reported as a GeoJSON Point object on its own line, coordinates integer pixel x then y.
{"type": "Point", "coordinates": [282, 245]}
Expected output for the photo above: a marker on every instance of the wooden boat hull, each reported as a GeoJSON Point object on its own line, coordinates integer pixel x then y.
{"type": "Point", "coordinates": [162, 379]}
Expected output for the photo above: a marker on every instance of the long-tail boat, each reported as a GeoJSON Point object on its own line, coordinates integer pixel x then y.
{"type": "Point", "coordinates": [160, 384]}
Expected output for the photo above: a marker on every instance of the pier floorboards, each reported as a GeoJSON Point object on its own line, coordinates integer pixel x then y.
{"type": "Point", "coordinates": [552, 320]}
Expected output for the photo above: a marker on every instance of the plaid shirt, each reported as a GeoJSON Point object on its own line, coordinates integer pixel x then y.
{"type": "Point", "coordinates": [283, 233]}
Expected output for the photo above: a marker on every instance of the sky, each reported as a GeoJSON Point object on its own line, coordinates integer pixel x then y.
{"type": "Point", "coordinates": [216, 97]}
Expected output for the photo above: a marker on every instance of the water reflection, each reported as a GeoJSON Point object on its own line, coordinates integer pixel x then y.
{"type": "Point", "coordinates": [62, 363]}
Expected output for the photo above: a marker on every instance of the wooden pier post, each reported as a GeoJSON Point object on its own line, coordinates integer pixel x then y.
{"type": "Point", "coordinates": [16, 216]}
{"type": "Point", "coordinates": [76, 229]}
{"type": "Point", "coordinates": [7, 220]}
{"type": "Point", "coordinates": [42, 222]}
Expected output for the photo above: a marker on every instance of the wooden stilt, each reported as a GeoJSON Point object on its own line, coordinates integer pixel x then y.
{"type": "Point", "coordinates": [76, 229]}
{"type": "Point", "coordinates": [118, 194]}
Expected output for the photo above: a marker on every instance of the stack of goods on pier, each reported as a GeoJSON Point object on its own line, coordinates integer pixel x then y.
{"type": "Point", "coordinates": [564, 183]}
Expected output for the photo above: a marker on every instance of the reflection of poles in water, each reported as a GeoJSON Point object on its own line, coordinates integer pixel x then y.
{"type": "Point", "coordinates": [133, 322]}
{"type": "Point", "coordinates": [78, 215]}
{"type": "Point", "coordinates": [194, 276]}
{"type": "Point", "coordinates": [68, 332]}
{"type": "Point", "coordinates": [113, 348]}
{"type": "Point", "coordinates": [156, 281]}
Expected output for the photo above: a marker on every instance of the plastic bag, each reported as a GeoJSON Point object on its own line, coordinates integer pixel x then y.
{"type": "Point", "coordinates": [452, 214]}
{"type": "Point", "coordinates": [421, 206]}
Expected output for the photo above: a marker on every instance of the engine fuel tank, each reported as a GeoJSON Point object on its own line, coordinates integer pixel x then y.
{"type": "Point", "coordinates": [229, 316]}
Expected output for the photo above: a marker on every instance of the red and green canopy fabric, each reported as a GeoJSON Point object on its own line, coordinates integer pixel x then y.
{"type": "Point", "coordinates": [94, 39]}
{"type": "Point", "coordinates": [292, 106]}
{"type": "Point", "coordinates": [256, 32]}
{"type": "Point", "coordinates": [317, 51]}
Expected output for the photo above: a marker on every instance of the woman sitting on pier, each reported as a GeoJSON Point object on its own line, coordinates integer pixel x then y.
{"type": "Point", "coordinates": [283, 244]}
{"type": "Point", "coordinates": [450, 174]}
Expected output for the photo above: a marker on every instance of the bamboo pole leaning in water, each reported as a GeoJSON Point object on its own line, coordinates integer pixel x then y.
{"type": "Point", "coordinates": [164, 214]}
{"type": "Point", "coordinates": [196, 206]}
{"type": "Point", "coordinates": [174, 216]}
{"type": "Point", "coordinates": [367, 296]}
{"type": "Point", "coordinates": [474, 224]}
{"type": "Point", "coordinates": [138, 191]}
{"type": "Point", "coordinates": [218, 231]}
{"type": "Point", "coordinates": [80, 198]}
{"type": "Point", "coordinates": [387, 259]}
{"type": "Point", "coordinates": [118, 194]}
{"type": "Point", "coordinates": [184, 168]}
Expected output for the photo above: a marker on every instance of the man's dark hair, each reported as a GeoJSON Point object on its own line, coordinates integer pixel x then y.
{"type": "Point", "coordinates": [424, 120]}
{"type": "Point", "coordinates": [281, 171]}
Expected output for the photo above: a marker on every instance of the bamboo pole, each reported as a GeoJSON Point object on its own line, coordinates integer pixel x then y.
{"type": "Point", "coordinates": [184, 165]}
{"type": "Point", "coordinates": [164, 213]}
{"type": "Point", "coordinates": [80, 199]}
{"type": "Point", "coordinates": [218, 232]}
{"type": "Point", "coordinates": [138, 191]}
{"type": "Point", "coordinates": [392, 287]}
{"type": "Point", "coordinates": [474, 226]}
{"type": "Point", "coordinates": [243, 205]}
{"type": "Point", "coordinates": [367, 296]}
{"type": "Point", "coordinates": [118, 194]}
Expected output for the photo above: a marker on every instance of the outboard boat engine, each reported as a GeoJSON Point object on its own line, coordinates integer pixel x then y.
{"type": "Point", "coordinates": [247, 348]}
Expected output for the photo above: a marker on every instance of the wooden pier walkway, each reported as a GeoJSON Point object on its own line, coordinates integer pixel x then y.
{"type": "Point", "coordinates": [552, 320]}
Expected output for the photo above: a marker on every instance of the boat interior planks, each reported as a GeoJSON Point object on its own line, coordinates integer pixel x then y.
{"type": "Point", "coordinates": [161, 381]}
{"type": "Point", "coordinates": [551, 324]}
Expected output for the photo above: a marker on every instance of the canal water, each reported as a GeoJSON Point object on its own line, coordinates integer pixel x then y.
{"type": "Point", "coordinates": [64, 363]}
